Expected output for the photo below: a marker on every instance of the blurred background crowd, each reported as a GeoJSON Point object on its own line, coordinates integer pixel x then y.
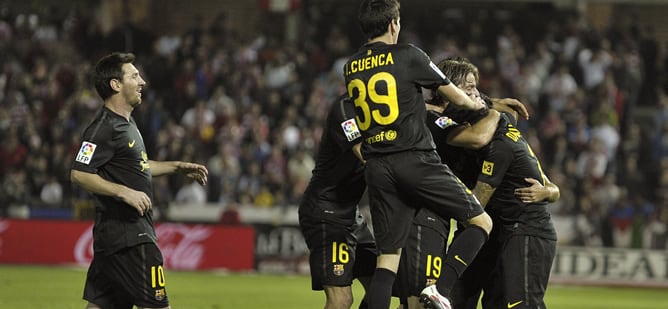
{"type": "Point", "coordinates": [251, 106]}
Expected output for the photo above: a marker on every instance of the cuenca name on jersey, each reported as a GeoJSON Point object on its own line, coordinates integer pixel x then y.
{"type": "Point", "coordinates": [369, 62]}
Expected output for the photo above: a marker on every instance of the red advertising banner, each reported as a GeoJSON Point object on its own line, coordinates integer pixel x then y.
{"type": "Point", "coordinates": [184, 246]}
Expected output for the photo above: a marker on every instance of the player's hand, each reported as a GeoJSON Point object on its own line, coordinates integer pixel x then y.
{"type": "Point", "coordinates": [479, 102]}
{"type": "Point", "coordinates": [194, 171]}
{"type": "Point", "coordinates": [511, 105]}
{"type": "Point", "coordinates": [534, 193]}
{"type": "Point", "coordinates": [137, 199]}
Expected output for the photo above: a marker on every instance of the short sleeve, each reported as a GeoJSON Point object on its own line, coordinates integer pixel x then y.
{"type": "Point", "coordinates": [496, 159]}
{"type": "Point", "coordinates": [95, 151]}
{"type": "Point", "coordinates": [425, 72]}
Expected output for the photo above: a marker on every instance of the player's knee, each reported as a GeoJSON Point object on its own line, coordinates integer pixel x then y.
{"type": "Point", "coordinates": [339, 298]}
{"type": "Point", "coordinates": [484, 221]}
{"type": "Point", "coordinates": [339, 302]}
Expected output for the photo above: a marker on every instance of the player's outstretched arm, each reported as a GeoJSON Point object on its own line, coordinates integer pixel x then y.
{"type": "Point", "coordinates": [512, 106]}
{"type": "Point", "coordinates": [536, 192]}
{"type": "Point", "coordinates": [475, 136]}
{"type": "Point", "coordinates": [195, 171]}
{"type": "Point", "coordinates": [459, 98]}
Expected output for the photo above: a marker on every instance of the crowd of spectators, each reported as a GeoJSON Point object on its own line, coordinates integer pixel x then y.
{"type": "Point", "coordinates": [252, 108]}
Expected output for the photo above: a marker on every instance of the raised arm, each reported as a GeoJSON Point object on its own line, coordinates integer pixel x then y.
{"type": "Point", "coordinates": [475, 136]}
{"type": "Point", "coordinates": [512, 106]}
{"type": "Point", "coordinates": [459, 98]}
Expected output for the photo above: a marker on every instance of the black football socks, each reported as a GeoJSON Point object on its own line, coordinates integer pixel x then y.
{"type": "Point", "coordinates": [380, 289]}
{"type": "Point", "coordinates": [462, 251]}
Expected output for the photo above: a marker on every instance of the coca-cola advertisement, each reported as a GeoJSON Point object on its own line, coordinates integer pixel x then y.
{"type": "Point", "coordinates": [184, 246]}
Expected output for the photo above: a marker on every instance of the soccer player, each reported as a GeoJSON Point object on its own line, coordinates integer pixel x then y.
{"type": "Point", "coordinates": [340, 244]}
{"type": "Point", "coordinates": [112, 164]}
{"type": "Point", "coordinates": [403, 171]}
{"type": "Point", "coordinates": [513, 267]}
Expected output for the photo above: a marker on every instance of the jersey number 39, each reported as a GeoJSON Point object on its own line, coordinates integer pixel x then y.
{"type": "Point", "coordinates": [376, 99]}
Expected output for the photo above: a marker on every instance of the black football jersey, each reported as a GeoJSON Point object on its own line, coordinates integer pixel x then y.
{"type": "Point", "coordinates": [112, 147]}
{"type": "Point", "coordinates": [337, 183]}
{"type": "Point", "coordinates": [506, 161]}
{"type": "Point", "coordinates": [385, 84]}
{"type": "Point", "coordinates": [463, 162]}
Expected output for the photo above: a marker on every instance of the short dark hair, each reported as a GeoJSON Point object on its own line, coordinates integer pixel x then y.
{"type": "Point", "coordinates": [375, 15]}
{"type": "Point", "coordinates": [108, 68]}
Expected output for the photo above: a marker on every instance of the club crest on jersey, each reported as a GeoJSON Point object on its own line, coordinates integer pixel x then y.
{"type": "Point", "coordinates": [351, 130]}
{"type": "Point", "coordinates": [160, 294]}
{"type": "Point", "coordinates": [444, 122]}
{"type": "Point", "coordinates": [86, 152]}
{"type": "Point", "coordinates": [338, 269]}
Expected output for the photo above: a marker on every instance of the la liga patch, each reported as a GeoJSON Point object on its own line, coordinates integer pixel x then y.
{"type": "Point", "coordinates": [86, 152]}
{"type": "Point", "coordinates": [444, 122]}
{"type": "Point", "coordinates": [351, 130]}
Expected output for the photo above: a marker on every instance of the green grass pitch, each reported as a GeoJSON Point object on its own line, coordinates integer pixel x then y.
{"type": "Point", "coordinates": [61, 288]}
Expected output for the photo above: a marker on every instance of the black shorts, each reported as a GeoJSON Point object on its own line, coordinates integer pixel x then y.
{"type": "Point", "coordinates": [399, 183]}
{"type": "Point", "coordinates": [513, 271]}
{"type": "Point", "coordinates": [338, 253]}
{"type": "Point", "coordinates": [521, 274]}
{"type": "Point", "coordinates": [132, 276]}
{"type": "Point", "coordinates": [422, 258]}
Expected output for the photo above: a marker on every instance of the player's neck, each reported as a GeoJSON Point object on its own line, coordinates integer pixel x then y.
{"type": "Point", "coordinates": [386, 38]}
{"type": "Point", "coordinates": [121, 108]}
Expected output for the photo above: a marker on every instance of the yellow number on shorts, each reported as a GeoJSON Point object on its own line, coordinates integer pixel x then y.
{"type": "Point", "coordinates": [340, 252]}
{"type": "Point", "coordinates": [390, 99]}
{"type": "Point", "coordinates": [433, 266]}
{"type": "Point", "coordinates": [157, 276]}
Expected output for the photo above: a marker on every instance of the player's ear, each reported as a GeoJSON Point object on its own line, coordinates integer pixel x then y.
{"type": "Point", "coordinates": [393, 27]}
{"type": "Point", "coordinates": [115, 84]}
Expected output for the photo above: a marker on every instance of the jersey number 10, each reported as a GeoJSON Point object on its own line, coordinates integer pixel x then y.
{"type": "Point", "coordinates": [157, 276]}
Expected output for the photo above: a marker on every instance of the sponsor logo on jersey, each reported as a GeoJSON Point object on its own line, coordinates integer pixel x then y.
{"type": "Point", "coordinates": [511, 305]}
{"type": "Point", "coordinates": [388, 135]}
{"type": "Point", "coordinates": [86, 152]}
{"type": "Point", "coordinates": [351, 130]}
{"type": "Point", "coordinates": [144, 161]}
{"type": "Point", "coordinates": [131, 144]}
{"type": "Point", "coordinates": [338, 269]}
{"type": "Point", "coordinates": [444, 122]}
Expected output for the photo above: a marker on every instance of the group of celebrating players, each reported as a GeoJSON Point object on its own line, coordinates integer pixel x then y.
{"type": "Point", "coordinates": [418, 137]}
{"type": "Point", "coordinates": [427, 147]}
